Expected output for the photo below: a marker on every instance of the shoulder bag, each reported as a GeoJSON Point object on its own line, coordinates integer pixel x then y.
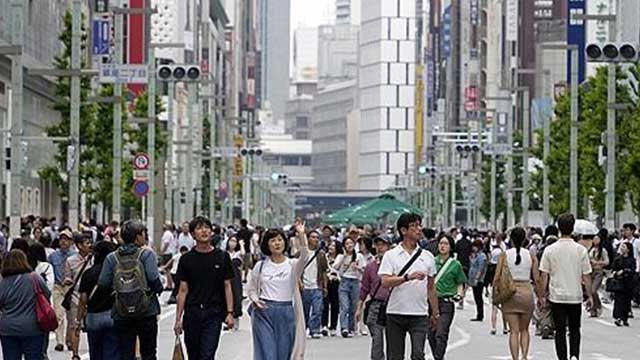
{"type": "Point", "coordinates": [382, 314]}
{"type": "Point", "coordinates": [66, 302]}
{"type": "Point", "coordinates": [503, 285]}
{"type": "Point", "coordinates": [45, 314]}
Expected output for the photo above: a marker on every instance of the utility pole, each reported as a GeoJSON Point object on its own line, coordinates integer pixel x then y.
{"type": "Point", "coordinates": [151, 138]}
{"type": "Point", "coordinates": [117, 121]}
{"type": "Point", "coordinates": [573, 146]}
{"type": "Point", "coordinates": [74, 115]}
{"type": "Point", "coordinates": [494, 171]}
{"type": "Point", "coordinates": [170, 199]}
{"type": "Point", "coordinates": [189, 165]}
{"type": "Point", "coordinates": [525, 156]}
{"type": "Point", "coordinates": [610, 200]}
{"type": "Point", "coordinates": [17, 29]}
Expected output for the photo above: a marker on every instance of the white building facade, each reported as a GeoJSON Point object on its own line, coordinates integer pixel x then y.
{"type": "Point", "coordinates": [386, 83]}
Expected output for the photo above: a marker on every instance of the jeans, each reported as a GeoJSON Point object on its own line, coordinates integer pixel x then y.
{"type": "Point", "coordinates": [331, 305]}
{"type": "Point", "coordinates": [312, 304]}
{"type": "Point", "coordinates": [622, 305]}
{"type": "Point", "coordinates": [58, 297]}
{"type": "Point", "coordinates": [477, 297]}
{"type": "Point", "coordinates": [439, 337]}
{"type": "Point", "coordinates": [349, 293]}
{"type": "Point", "coordinates": [202, 329]}
{"type": "Point", "coordinates": [274, 331]}
{"type": "Point", "coordinates": [145, 329]}
{"type": "Point", "coordinates": [567, 315]}
{"type": "Point", "coordinates": [103, 341]}
{"type": "Point", "coordinates": [376, 331]}
{"type": "Point", "coordinates": [14, 347]}
{"type": "Point", "coordinates": [397, 328]}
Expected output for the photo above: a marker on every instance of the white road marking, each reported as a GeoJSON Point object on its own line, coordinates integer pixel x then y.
{"type": "Point", "coordinates": [605, 322]}
{"type": "Point", "coordinates": [465, 339]}
{"type": "Point", "coordinates": [598, 356]}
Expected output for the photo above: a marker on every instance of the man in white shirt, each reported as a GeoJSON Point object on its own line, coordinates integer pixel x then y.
{"type": "Point", "coordinates": [407, 308]}
{"type": "Point", "coordinates": [314, 284]}
{"type": "Point", "coordinates": [566, 265]}
{"type": "Point", "coordinates": [185, 238]}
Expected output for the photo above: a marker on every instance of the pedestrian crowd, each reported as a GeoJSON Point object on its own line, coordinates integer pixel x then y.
{"type": "Point", "coordinates": [299, 284]}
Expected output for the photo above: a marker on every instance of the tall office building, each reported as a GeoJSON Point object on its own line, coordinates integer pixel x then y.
{"type": "Point", "coordinates": [305, 54]}
{"type": "Point", "coordinates": [337, 53]}
{"type": "Point", "coordinates": [347, 12]}
{"type": "Point", "coordinates": [275, 46]}
{"type": "Point", "coordinates": [387, 68]}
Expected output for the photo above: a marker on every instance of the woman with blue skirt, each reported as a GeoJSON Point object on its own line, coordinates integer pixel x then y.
{"type": "Point", "coordinates": [277, 318]}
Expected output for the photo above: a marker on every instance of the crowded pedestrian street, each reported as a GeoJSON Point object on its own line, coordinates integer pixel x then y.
{"type": "Point", "coordinates": [469, 341]}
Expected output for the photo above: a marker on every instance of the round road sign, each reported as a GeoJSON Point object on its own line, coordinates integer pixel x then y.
{"type": "Point", "coordinates": [141, 188]}
{"type": "Point", "coordinates": [141, 161]}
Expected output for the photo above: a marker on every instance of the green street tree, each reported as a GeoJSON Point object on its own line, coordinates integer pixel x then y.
{"type": "Point", "coordinates": [592, 124]}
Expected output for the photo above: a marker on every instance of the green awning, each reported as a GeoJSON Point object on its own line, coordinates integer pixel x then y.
{"type": "Point", "coordinates": [384, 209]}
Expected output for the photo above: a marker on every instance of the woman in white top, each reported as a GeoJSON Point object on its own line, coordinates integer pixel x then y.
{"type": "Point", "coordinates": [519, 309]}
{"type": "Point", "coordinates": [350, 266]}
{"type": "Point", "coordinates": [277, 318]}
{"type": "Point", "coordinates": [37, 258]}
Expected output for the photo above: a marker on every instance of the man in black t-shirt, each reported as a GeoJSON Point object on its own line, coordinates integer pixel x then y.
{"type": "Point", "coordinates": [246, 234]}
{"type": "Point", "coordinates": [205, 295]}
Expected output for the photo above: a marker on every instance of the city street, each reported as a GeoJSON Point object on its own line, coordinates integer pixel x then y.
{"type": "Point", "coordinates": [602, 340]}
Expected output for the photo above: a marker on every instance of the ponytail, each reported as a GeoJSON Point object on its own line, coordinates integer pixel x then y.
{"type": "Point", "coordinates": [518, 236]}
{"type": "Point", "coordinates": [518, 257]}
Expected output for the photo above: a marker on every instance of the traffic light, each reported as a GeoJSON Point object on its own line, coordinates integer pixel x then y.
{"type": "Point", "coordinates": [178, 72]}
{"type": "Point", "coordinates": [278, 177]}
{"type": "Point", "coordinates": [611, 53]}
{"type": "Point", "coordinates": [466, 149]}
{"type": "Point", "coordinates": [251, 152]}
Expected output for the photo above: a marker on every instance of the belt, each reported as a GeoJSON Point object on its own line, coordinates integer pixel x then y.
{"type": "Point", "coordinates": [200, 306]}
{"type": "Point", "coordinates": [447, 299]}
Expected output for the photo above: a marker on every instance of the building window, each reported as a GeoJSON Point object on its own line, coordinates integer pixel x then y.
{"type": "Point", "coordinates": [302, 121]}
{"type": "Point", "coordinates": [306, 160]}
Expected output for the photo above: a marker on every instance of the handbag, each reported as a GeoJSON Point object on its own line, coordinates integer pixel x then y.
{"type": "Point", "coordinates": [45, 314]}
{"type": "Point", "coordinates": [503, 286]}
{"type": "Point", "coordinates": [614, 284]}
{"type": "Point", "coordinates": [66, 302]}
{"type": "Point", "coordinates": [178, 354]}
{"type": "Point", "coordinates": [382, 313]}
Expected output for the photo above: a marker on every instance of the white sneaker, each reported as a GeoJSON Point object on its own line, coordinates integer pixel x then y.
{"type": "Point", "coordinates": [316, 336]}
{"type": "Point", "coordinates": [573, 358]}
{"type": "Point", "coordinates": [364, 332]}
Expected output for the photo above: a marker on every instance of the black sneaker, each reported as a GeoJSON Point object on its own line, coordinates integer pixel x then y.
{"type": "Point", "coordinates": [59, 347]}
{"type": "Point", "coordinates": [625, 323]}
{"type": "Point", "coordinates": [345, 333]}
{"type": "Point", "coordinates": [618, 322]}
{"type": "Point", "coordinates": [476, 319]}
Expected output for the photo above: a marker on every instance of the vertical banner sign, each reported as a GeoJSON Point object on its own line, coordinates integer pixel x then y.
{"type": "Point", "coordinates": [419, 112]}
{"type": "Point", "coordinates": [204, 61]}
{"type": "Point", "coordinates": [101, 37]}
{"type": "Point", "coordinates": [137, 40]}
{"type": "Point", "coordinates": [101, 6]}
{"type": "Point", "coordinates": [430, 83]}
{"type": "Point", "coordinates": [446, 33]}
{"type": "Point", "coordinates": [576, 36]}
{"type": "Point", "coordinates": [512, 20]}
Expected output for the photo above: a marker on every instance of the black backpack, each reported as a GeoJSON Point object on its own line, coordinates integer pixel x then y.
{"type": "Point", "coordinates": [132, 294]}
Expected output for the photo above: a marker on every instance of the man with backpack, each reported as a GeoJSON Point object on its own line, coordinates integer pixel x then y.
{"type": "Point", "coordinates": [132, 273]}
{"type": "Point", "coordinates": [206, 295]}
{"type": "Point", "coordinates": [314, 285]}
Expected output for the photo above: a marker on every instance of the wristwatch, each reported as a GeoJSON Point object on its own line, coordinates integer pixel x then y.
{"type": "Point", "coordinates": [437, 316]}
{"type": "Point", "coordinates": [406, 277]}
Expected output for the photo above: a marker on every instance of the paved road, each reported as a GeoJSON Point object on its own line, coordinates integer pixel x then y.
{"type": "Point", "coordinates": [469, 341]}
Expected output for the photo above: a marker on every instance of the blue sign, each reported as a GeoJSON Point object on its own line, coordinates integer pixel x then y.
{"type": "Point", "coordinates": [141, 188]}
{"type": "Point", "coordinates": [576, 34]}
{"type": "Point", "coordinates": [101, 34]}
{"type": "Point", "coordinates": [446, 33]}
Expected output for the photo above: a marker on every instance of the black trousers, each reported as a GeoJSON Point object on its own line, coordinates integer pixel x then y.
{"type": "Point", "coordinates": [622, 305]}
{"type": "Point", "coordinates": [567, 315]}
{"type": "Point", "coordinates": [396, 331]}
{"type": "Point", "coordinates": [202, 328]}
{"type": "Point", "coordinates": [477, 297]}
{"type": "Point", "coordinates": [439, 337]}
{"type": "Point", "coordinates": [145, 329]}
{"type": "Point", "coordinates": [331, 308]}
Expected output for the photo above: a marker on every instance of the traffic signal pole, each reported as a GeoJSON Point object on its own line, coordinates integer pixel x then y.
{"type": "Point", "coordinates": [151, 140]}
{"type": "Point", "coordinates": [610, 201]}
{"type": "Point", "coordinates": [117, 122]}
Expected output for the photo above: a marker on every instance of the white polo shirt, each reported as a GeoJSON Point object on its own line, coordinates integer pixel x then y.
{"type": "Point", "coordinates": [409, 298]}
{"type": "Point", "coordinates": [565, 261]}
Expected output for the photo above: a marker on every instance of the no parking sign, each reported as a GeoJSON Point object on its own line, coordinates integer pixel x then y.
{"type": "Point", "coordinates": [141, 161]}
{"type": "Point", "coordinates": [141, 188]}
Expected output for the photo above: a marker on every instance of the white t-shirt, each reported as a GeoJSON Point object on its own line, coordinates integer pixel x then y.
{"type": "Point", "coordinates": [45, 270]}
{"type": "Point", "coordinates": [170, 241]}
{"type": "Point", "coordinates": [276, 281]}
{"type": "Point", "coordinates": [175, 260]}
{"type": "Point", "coordinates": [343, 266]}
{"type": "Point", "coordinates": [522, 271]}
{"type": "Point", "coordinates": [186, 240]}
{"type": "Point", "coordinates": [310, 275]}
{"type": "Point", "coordinates": [409, 298]}
{"type": "Point", "coordinates": [565, 261]}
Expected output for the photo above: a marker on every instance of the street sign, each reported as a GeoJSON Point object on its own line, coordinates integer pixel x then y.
{"type": "Point", "coordinates": [141, 174]}
{"type": "Point", "coordinates": [123, 74]}
{"type": "Point", "coordinates": [140, 188]}
{"type": "Point", "coordinates": [141, 161]}
{"type": "Point", "coordinates": [101, 41]}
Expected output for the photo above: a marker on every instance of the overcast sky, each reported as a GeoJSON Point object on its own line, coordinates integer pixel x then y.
{"type": "Point", "coordinates": [310, 12]}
